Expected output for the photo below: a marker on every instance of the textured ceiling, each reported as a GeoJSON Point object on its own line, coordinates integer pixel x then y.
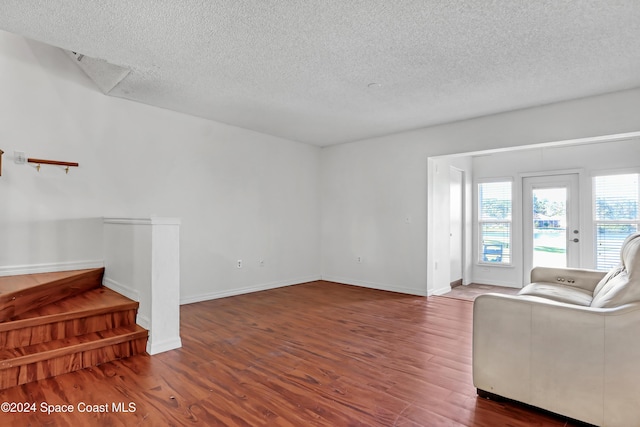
{"type": "Point", "coordinates": [333, 71]}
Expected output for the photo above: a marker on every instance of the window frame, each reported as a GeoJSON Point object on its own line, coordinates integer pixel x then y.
{"type": "Point", "coordinates": [480, 222]}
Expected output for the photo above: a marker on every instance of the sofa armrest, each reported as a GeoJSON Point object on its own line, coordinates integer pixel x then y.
{"type": "Point", "coordinates": [575, 277]}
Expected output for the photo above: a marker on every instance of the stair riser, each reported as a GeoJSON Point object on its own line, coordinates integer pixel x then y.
{"type": "Point", "coordinates": [69, 363]}
{"type": "Point", "coordinates": [55, 323]}
{"type": "Point", "coordinates": [65, 329]}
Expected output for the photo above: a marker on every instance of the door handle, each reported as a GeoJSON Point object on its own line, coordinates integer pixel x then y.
{"type": "Point", "coordinates": [576, 240]}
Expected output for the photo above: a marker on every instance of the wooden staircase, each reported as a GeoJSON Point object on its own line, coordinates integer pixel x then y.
{"type": "Point", "coordinates": [54, 323]}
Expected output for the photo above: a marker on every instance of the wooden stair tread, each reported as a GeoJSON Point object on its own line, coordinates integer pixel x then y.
{"type": "Point", "coordinates": [93, 302]}
{"type": "Point", "coordinates": [10, 284]}
{"type": "Point", "coordinates": [44, 351]}
{"type": "Point", "coordinates": [55, 323]}
{"type": "Point", "coordinates": [19, 294]}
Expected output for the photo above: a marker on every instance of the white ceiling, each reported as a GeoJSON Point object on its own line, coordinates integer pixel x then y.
{"type": "Point", "coordinates": [304, 70]}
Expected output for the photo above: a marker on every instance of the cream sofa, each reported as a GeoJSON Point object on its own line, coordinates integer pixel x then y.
{"type": "Point", "coordinates": [568, 343]}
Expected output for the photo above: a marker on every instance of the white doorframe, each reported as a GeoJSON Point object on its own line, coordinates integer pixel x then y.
{"type": "Point", "coordinates": [456, 224]}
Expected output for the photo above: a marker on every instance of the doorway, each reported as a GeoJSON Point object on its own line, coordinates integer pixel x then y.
{"type": "Point", "coordinates": [550, 221]}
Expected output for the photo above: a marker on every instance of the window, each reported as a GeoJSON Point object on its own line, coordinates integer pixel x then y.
{"type": "Point", "coordinates": [616, 215]}
{"type": "Point", "coordinates": [494, 222]}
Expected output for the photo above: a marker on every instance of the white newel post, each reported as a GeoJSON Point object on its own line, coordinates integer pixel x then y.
{"type": "Point", "coordinates": [165, 285]}
{"type": "Point", "coordinates": [142, 262]}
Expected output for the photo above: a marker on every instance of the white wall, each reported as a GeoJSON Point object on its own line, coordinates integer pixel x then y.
{"type": "Point", "coordinates": [239, 194]}
{"type": "Point", "coordinates": [369, 186]}
{"type": "Point", "coordinates": [589, 160]}
{"type": "Point", "coordinates": [47, 219]}
{"type": "Point", "coordinates": [368, 211]}
{"type": "Point", "coordinates": [39, 245]}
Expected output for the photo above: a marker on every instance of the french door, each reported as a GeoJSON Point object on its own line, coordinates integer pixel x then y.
{"type": "Point", "coordinates": [550, 221]}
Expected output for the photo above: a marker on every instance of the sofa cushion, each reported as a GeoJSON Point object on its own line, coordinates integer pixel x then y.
{"type": "Point", "coordinates": [622, 285]}
{"type": "Point", "coordinates": [607, 278]}
{"type": "Point", "coordinates": [557, 292]}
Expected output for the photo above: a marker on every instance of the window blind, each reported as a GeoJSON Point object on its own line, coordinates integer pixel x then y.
{"type": "Point", "coordinates": [616, 200]}
{"type": "Point", "coordinates": [495, 200]}
{"type": "Point", "coordinates": [494, 214]}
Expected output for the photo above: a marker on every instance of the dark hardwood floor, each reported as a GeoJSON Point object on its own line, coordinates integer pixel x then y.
{"type": "Point", "coordinates": [316, 354]}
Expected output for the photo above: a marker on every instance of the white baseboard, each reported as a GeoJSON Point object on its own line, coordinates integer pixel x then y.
{"type": "Point", "coordinates": [373, 285]}
{"type": "Point", "coordinates": [263, 287]}
{"type": "Point", "coordinates": [143, 321]}
{"type": "Point", "coordinates": [440, 291]}
{"type": "Point", "coordinates": [496, 283]}
{"type": "Point", "coordinates": [14, 270]}
{"type": "Point", "coordinates": [122, 289]}
{"type": "Point", "coordinates": [164, 345]}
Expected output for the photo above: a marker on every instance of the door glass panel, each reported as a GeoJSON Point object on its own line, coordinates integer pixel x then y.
{"type": "Point", "coordinates": [551, 219]}
{"type": "Point", "coordinates": [550, 227]}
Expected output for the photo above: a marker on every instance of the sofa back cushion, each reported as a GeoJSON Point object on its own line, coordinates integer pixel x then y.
{"type": "Point", "coordinates": [621, 285]}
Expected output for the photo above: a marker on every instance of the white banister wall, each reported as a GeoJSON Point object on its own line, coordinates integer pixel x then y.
{"type": "Point", "coordinates": [30, 246]}
{"type": "Point", "coordinates": [142, 262]}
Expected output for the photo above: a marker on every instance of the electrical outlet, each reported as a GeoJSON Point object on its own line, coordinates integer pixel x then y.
{"type": "Point", "coordinates": [359, 259]}
{"type": "Point", "coordinates": [239, 263]}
